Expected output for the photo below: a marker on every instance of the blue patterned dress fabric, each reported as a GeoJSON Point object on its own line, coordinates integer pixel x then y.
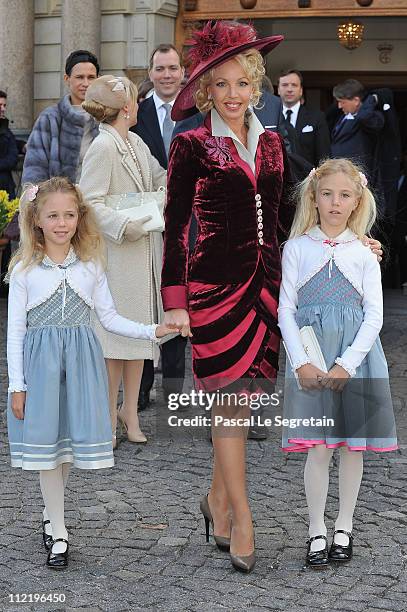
{"type": "Point", "coordinates": [66, 415]}
{"type": "Point", "coordinates": [363, 412]}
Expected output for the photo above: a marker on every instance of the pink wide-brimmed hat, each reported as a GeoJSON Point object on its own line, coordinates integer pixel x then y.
{"type": "Point", "coordinates": [215, 43]}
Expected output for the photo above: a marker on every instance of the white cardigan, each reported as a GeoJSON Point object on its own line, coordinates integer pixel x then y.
{"type": "Point", "coordinates": [302, 258]}
{"type": "Point", "coordinates": [35, 285]}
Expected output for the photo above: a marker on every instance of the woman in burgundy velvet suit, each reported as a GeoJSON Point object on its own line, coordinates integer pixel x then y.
{"type": "Point", "coordinates": [234, 176]}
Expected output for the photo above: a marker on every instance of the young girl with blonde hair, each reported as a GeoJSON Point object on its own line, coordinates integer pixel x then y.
{"type": "Point", "coordinates": [331, 282]}
{"type": "Point", "coordinates": [58, 410]}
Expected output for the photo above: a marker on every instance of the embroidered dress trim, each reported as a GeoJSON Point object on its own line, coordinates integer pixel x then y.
{"type": "Point", "coordinates": [39, 457]}
{"type": "Point", "coordinates": [317, 235]}
{"type": "Point", "coordinates": [66, 279]}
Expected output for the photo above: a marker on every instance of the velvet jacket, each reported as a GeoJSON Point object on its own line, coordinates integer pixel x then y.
{"type": "Point", "coordinates": [207, 176]}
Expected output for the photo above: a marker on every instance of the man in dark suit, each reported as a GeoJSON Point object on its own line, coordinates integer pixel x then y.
{"type": "Point", "coordinates": [356, 134]}
{"type": "Point", "coordinates": [155, 127]}
{"type": "Point", "coordinates": [307, 129]}
{"type": "Point", "coordinates": [154, 123]}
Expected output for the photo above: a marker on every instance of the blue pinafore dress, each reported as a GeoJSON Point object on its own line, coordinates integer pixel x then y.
{"type": "Point", "coordinates": [66, 417]}
{"type": "Point", "coordinates": [361, 416]}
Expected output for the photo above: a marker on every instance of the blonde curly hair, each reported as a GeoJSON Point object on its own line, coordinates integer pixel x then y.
{"type": "Point", "coordinates": [87, 241]}
{"type": "Point", "coordinates": [252, 63]}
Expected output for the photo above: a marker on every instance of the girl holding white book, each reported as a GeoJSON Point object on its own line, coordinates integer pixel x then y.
{"type": "Point", "coordinates": [331, 285]}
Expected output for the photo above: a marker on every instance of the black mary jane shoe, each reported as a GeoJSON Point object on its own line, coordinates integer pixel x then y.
{"type": "Point", "coordinates": [58, 561]}
{"type": "Point", "coordinates": [341, 553]}
{"type": "Point", "coordinates": [317, 558]}
{"type": "Point", "coordinates": [46, 538]}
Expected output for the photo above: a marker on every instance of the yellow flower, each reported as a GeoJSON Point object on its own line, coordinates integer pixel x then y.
{"type": "Point", "coordinates": [7, 209]}
{"type": "Point", "coordinates": [12, 208]}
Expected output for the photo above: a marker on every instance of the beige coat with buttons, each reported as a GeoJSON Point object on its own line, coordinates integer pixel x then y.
{"type": "Point", "coordinates": [133, 268]}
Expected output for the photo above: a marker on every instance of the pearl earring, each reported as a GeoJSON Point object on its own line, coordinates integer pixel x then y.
{"type": "Point", "coordinates": [126, 116]}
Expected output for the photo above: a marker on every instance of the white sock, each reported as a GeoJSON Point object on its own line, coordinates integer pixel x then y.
{"type": "Point", "coordinates": [316, 481]}
{"type": "Point", "coordinates": [48, 526]}
{"type": "Point", "coordinates": [66, 468]}
{"type": "Point", "coordinates": [350, 477]}
{"type": "Point", "coordinates": [52, 488]}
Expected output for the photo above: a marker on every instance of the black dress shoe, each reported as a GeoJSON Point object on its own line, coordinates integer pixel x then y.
{"type": "Point", "coordinates": [257, 432]}
{"type": "Point", "coordinates": [58, 561]}
{"type": "Point", "coordinates": [143, 400]}
{"type": "Point", "coordinates": [317, 558]}
{"type": "Point", "coordinates": [340, 553]}
{"type": "Point", "coordinates": [46, 538]}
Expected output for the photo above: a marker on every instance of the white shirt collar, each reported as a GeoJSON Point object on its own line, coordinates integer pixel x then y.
{"type": "Point", "coordinates": [69, 259]}
{"type": "Point", "coordinates": [317, 234]}
{"type": "Point", "coordinates": [295, 110]}
{"type": "Point", "coordinates": [159, 103]}
{"type": "Point", "coordinates": [221, 129]}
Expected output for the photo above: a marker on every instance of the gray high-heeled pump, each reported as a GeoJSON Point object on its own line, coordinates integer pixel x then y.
{"type": "Point", "coordinates": [244, 563]}
{"type": "Point", "coordinates": [221, 542]}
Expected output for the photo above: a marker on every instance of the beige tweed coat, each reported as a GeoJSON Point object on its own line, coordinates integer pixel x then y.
{"type": "Point", "coordinates": [133, 268]}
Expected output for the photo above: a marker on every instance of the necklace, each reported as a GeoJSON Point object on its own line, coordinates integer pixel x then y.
{"type": "Point", "coordinates": [136, 161]}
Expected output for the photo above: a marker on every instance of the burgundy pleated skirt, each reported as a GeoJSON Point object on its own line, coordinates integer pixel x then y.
{"type": "Point", "coordinates": [235, 339]}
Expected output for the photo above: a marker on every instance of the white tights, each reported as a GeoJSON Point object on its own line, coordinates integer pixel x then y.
{"type": "Point", "coordinates": [53, 483]}
{"type": "Point", "coordinates": [316, 480]}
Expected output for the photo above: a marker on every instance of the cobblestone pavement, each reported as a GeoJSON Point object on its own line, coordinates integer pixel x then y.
{"type": "Point", "coordinates": [137, 539]}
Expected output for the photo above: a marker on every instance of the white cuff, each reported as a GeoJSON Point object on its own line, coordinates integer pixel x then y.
{"type": "Point", "coordinates": [351, 371]}
{"type": "Point", "coordinates": [17, 388]}
{"type": "Point", "coordinates": [298, 364]}
{"type": "Point", "coordinates": [153, 334]}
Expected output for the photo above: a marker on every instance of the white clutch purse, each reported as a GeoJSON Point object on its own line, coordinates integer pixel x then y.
{"type": "Point", "coordinates": [312, 348]}
{"type": "Point", "coordinates": [138, 205]}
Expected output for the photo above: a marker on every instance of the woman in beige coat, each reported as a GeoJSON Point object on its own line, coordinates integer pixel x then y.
{"type": "Point", "coordinates": [119, 162]}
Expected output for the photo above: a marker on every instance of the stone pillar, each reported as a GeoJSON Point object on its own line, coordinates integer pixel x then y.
{"type": "Point", "coordinates": [81, 22]}
{"type": "Point", "coordinates": [16, 60]}
{"type": "Point", "coordinates": [152, 23]}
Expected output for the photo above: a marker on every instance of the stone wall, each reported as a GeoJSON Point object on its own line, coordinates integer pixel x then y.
{"type": "Point", "coordinates": [37, 36]}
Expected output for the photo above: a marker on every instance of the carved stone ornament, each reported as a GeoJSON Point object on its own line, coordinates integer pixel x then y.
{"type": "Point", "coordinates": [248, 4]}
{"type": "Point", "coordinates": [385, 50]}
{"type": "Point", "coordinates": [190, 5]}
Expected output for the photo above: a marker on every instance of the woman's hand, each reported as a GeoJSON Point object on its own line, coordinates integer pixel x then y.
{"type": "Point", "coordinates": [134, 229]}
{"type": "Point", "coordinates": [336, 378]}
{"type": "Point", "coordinates": [375, 246]}
{"type": "Point", "coordinates": [177, 319]}
{"type": "Point", "coordinates": [17, 404]}
{"type": "Point", "coordinates": [310, 377]}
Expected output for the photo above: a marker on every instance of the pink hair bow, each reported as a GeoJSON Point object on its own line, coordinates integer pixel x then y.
{"type": "Point", "coordinates": [31, 193]}
{"type": "Point", "coordinates": [363, 179]}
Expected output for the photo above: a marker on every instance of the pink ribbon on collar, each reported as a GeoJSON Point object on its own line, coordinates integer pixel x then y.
{"type": "Point", "coordinates": [331, 243]}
